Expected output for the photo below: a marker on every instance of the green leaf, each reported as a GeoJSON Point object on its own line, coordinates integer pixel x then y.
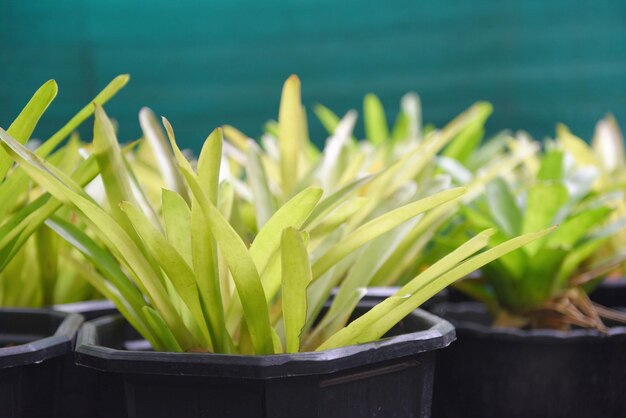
{"type": "Point", "coordinates": [23, 223]}
{"type": "Point", "coordinates": [535, 288]}
{"type": "Point", "coordinates": [24, 125]}
{"type": "Point", "coordinates": [400, 130]}
{"type": "Point", "coordinates": [376, 322]}
{"type": "Point", "coordinates": [336, 155]}
{"type": "Point", "coordinates": [439, 268]}
{"type": "Point", "coordinates": [112, 167]}
{"type": "Point", "coordinates": [177, 219]}
{"type": "Point", "coordinates": [468, 140]}
{"type": "Point", "coordinates": [543, 203]}
{"type": "Point", "coordinates": [327, 117]}
{"type": "Point", "coordinates": [236, 137]}
{"type": "Point", "coordinates": [290, 120]}
{"type": "Point", "coordinates": [209, 163]}
{"type": "Point", "coordinates": [102, 259]}
{"type": "Point", "coordinates": [339, 216]}
{"type": "Point", "coordinates": [368, 261]}
{"type": "Point", "coordinates": [330, 203]}
{"type": "Point", "coordinates": [376, 128]}
{"type": "Point", "coordinates": [334, 321]}
{"type": "Point", "coordinates": [14, 186]}
{"type": "Point", "coordinates": [551, 168]}
{"type": "Point", "coordinates": [205, 264]}
{"type": "Point", "coordinates": [379, 226]}
{"type": "Point", "coordinates": [413, 242]}
{"type": "Point", "coordinates": [242, 269]}
{"type": "Point", "coordinates": [119, 289]}
{"type": "Point", "coordinates": [170, 260]}
{"type": "Point", "coordinates": [205, 251]}
{"type": "Point", "coordinates": [503, 207]}
{"type": "Point", "coordinates": [114, 236]}
{"type": "Point", "coordinates": [166, 162]}
{"type": "Point", "coordinates": [48, 260]}
{"type": "Point", "coordinates": [292, 214]}
{"type": "Point", "coordinates": [574, 259]}
{"type": "Point", "coordinates": [265, 245]}
{"type": "Point", "coordinates": [264, 203]}
{"type": "Point", "coordinates": [109, 91]}
{"type": "Point", "coordinates": [577, 227]}
{"type": "Point", "coordinates": [106, 289]}
{"type": "Point", "coordinates": [296, 276]}
{"type": "Point", "coordinates": [412, 110]}
{"type": "Point", "coordinates": [182, 162]}
{"type": "Point", "coordinates": [165, 335]}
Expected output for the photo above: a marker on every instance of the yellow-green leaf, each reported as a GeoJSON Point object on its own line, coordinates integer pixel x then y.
{"type": "Point", "coordinates": [296, 276]}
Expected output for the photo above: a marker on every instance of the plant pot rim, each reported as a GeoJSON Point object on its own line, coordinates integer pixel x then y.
{"type": "Point", "coordinates": [437, 334]}
{"type": "Point", "coordinates": [473, 328]}
{"type": "Point", "coordinates": [55, 345]}
{"type": "Point", "coordinates": [373, 292]}
{"type": "Point", "coordinates": [614, 283]}
{"type": "Point", "coordinates": [85, 306]}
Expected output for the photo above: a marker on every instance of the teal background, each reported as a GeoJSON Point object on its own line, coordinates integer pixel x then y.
{"type": "Point", "coordinates": [207, 63]}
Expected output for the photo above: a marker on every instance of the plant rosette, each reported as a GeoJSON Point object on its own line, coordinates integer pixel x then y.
{"type": "Point", "coordinates": [509, 372]}
{"type": "Point", "coordinates": [35, 352]}
{"type": "Point", "coordinates": [389, 377]}
{"type": "Point", "coordinates": [538, 345]}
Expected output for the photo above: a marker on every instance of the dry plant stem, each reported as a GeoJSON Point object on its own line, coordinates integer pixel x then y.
{"type": "Point", "coordinates": [582, 301]}
{"type": "Point", "coordinates": [611, 314]}
{"type": "Point", "coordinates": [572, 308]}
{"type": "Point", "coordinates": [598, 271]}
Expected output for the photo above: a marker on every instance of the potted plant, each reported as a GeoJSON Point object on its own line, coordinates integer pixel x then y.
{"type": "Point", "coordinates": [227, 312]}
{"type": "Point", "coordinates": [413, 155]}
{"type": "Point", "coordinates": [535, 345]}
{"type": "Point", "coordinates": [39, 269]}
{"type": "Point", "coordinates": [36, 267]}
{"type": "Point", "coordinates": [605, 153]}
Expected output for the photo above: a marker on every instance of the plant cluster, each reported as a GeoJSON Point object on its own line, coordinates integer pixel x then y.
{"type": "Point", "coordinates": [239, 250]}
{"type": "Point", "coordinates": [211, 267]}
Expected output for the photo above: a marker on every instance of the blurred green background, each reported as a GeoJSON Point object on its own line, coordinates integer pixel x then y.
{"type": "Point", "coordinates": [207, 63]}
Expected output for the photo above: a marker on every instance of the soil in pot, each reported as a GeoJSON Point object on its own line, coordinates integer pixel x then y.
{"type": "Point", "coordinates": [500, 372]}
{"type": "Point", "coordinates": [36, 348]}
{"type": "Point", "coordinates": [387, 378]}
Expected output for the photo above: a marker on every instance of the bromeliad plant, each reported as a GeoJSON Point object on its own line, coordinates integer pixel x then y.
{"type": "Point", "coordinates": [541, 285]}
{"type": "Point", "coordinates": [192, 278]}
{"type": "Point", "coordinates": [607, 156]}
{"type": "Point", "coordinates": [36, 267]}
{"type": "Point", "coordinates": [386, 170]}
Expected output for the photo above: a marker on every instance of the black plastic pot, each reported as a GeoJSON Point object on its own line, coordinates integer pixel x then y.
{"type": "Point", "coordinates": [90, 309]}
{"type": "Point", "coordinates": [78, 397]}
{"type": "Point", "coordinates": [610, 293]}
{"type": "Point", "coordinates": [35, 347]}
{"type": "Point", "coordinates": [388, 378]}
{"type": "Point", "coordinates": [501, 372]}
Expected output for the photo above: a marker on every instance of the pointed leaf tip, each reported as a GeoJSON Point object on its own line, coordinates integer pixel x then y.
{"type": "Point", "coordinates": [123, 78]}
{"type": "Point", "coordinates": [293, 78]}
{"type": "Point", "coordinates": [52, 83]}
